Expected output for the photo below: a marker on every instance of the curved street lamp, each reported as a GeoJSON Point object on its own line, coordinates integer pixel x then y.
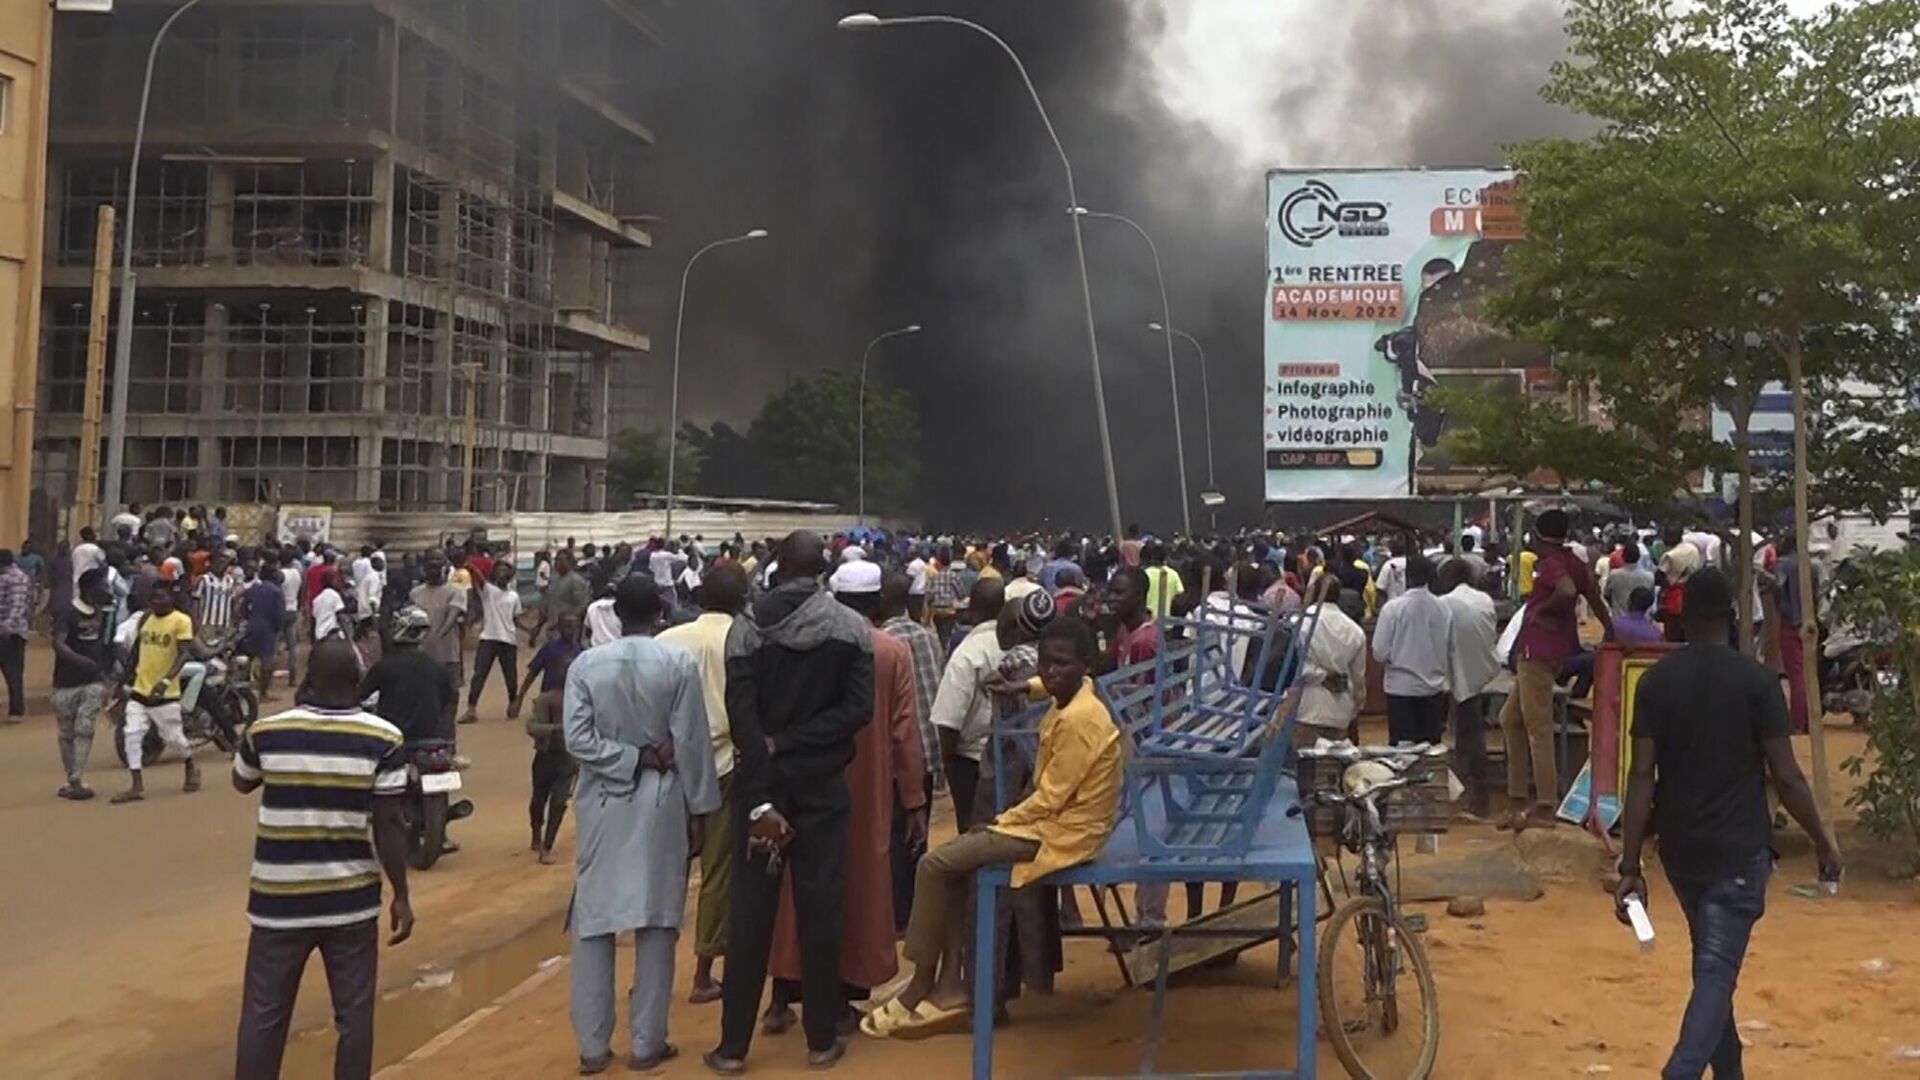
{"type": "Point", "coordinates": [1206, 402]}
{"type": "Point", "coordinates": [861, 437]}
{"type": "Point", "coordinates": [123, 343]}
{"type": "Point", "coordinates": [1173, 378]}
{"type": "Point", "coordinates": [679, 322]}
{"type": "Point", "coordinates": [868, 21]}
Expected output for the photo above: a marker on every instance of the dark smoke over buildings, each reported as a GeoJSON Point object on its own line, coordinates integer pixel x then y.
{"type": "Point", "coordinates": [905, 178]}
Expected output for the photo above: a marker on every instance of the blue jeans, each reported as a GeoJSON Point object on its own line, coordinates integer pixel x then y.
{"type": "Point", "coordinates": [1720, 917]}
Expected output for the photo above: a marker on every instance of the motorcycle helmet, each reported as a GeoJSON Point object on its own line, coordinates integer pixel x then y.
{"type": "Point", "coordinates": [409, 626]}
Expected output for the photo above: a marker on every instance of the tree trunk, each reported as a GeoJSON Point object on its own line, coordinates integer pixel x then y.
{"type": "Point", "coordinates": [1809, 617]}
{"type": "Point", "coordinates": [1742, 413]}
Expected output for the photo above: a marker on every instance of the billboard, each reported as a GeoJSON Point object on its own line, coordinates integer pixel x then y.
{"type": "Point", "coordinates": [1353, 256]}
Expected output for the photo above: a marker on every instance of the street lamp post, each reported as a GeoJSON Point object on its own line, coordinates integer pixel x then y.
{"type": "Point", "coordinates": [868, 21]}
{"type": "Point", "coordinates": [679, 324]}
{"type": "Point", "coordinates": [861, 423]}
{"type": "Point", "coordinates": [123, 343]}
{"type": "Point", "coordinates": [1206, 405]}
{"type": "Point", "coordinates": [1173, 378]}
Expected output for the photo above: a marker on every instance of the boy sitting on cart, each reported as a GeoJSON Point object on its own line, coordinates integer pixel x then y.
{"type": "Point", "coordinates": [1065, 822]}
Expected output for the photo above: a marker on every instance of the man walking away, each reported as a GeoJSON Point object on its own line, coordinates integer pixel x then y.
{"type": "Point", "coordinates": [1708, 729]}
{"type": "Point", "coordinates": [1410, 641]}
{"type": "Point", "coordinates": [723, 595]}
{"type": "Point", "coordinates": [16, 606]}
{"type": "Point", "coordinates": [799, 690]}
{"type": "Point", "coordinates": [1549, 636]}
{"type": "Point", "coordinates": [82, 659]}
{"type": "Point", "coordinates": [1392, 579]}
{"type": "Point", "coordinates": [499, 639]}
{"type": "Point", "coordinates": [1474, 631]}
{"type": "Point", "coordinates": [943, 593]}
{"type": "Point", "coordinates": [446, 611]}
{"type": "Point", "coordinates": [162, 645]}
{"type": "Point", "coordinates": [290, 585]}
{"type": "Point", "coordinates": [636, 723]}
{"type": "Point", "coordinates": [554, 769]}
{"type": "Point", "coordinates": [315, 882]}
{"type": "Point", "coordinates": [1621, 582]}
{"type": "Point", "coordinates": [261, 615]}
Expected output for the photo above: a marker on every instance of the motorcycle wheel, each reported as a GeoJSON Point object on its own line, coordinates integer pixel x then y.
{"type": "Point", "coordinates": [431, 834]}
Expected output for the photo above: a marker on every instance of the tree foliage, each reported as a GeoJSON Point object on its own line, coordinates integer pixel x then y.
{"type": "Point", "coordinates": [807, 438]}
{"type": "Point", "coordinates": [1877, 597]}
{"type": "Point", "coordinates": [1752, 191]}
{"type": "Point", "coordinates": [637, 461]}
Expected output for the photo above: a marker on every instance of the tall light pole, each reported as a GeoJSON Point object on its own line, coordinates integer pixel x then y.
{"type": "Point", "coordinates": [679, 324]}
{"type": "Point", "coordinates": [1173, 378]}
{"type": "Point", "coordinates": [123, 342]}
{"type": "Point", "coordinates": [868, 21]}
{"type": "Point", "coordinates": [861, 438]}
{"type": "Point", "coordinates": [1206, 404]}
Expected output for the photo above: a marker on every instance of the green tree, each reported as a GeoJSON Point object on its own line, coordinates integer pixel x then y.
{"type": "Point", "coordinates": [1746, 211]}
{"type": "Point", "coordinates": [1877, 596]}
{"type": "Point", "coordinates": [637, 462]}
{"type": "Point", "coordinates": [807, 439]}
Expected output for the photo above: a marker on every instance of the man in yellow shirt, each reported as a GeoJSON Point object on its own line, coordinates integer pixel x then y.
{"type": "Point", "coordinates": [164, 644]}
{"type": "Point", "coordinates": [1163, 581]}
{"type": "Point", "coordinates": [1065, 822]}
{"type": "Point", "coordinates": [723, 596]}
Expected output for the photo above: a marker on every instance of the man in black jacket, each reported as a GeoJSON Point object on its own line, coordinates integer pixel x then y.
{"type": "Point", "coordinates": [799, 688]}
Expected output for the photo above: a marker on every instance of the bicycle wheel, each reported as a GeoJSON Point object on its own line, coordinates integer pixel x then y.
{"type": "Point", "coordinates": [1377, 999]}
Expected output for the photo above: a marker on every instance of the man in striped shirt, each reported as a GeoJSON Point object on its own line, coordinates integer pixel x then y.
{"type": "Point", "coordinates": [333, 779]}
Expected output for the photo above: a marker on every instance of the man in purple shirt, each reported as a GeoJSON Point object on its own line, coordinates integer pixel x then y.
{"type": "Point", "coordinates": [1549, 636]}
{"type": "Point", "coordinates": [1636, 627]}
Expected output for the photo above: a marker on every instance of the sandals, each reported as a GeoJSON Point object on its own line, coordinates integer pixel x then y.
{"type": "Point", "coordinates": [894, 1020]}
{"type": "Point", "coordinates": [666, 1053]}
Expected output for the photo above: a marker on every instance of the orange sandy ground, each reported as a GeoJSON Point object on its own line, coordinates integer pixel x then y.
{"type": "Point", "coordinates": [1534, 989]}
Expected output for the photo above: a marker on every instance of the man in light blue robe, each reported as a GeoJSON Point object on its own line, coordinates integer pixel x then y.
{"type": "Point", "coordinates": [635, 720]}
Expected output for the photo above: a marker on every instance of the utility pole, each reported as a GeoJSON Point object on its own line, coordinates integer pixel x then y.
{"type": "Point", "coordinates": [472, 430]}
{"type": "Point", "coordinates": [86, 496]}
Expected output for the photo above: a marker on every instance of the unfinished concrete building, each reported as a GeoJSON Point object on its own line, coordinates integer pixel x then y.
{"type": "Point", "coordinates": [370, 236]}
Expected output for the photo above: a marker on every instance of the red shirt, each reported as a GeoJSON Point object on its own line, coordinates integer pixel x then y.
{"type": "Point", "coordinates": [1555, 636]}
{"type": "Point", "coordinates": [1136, 646]}
{"type": "Point", "coordinates": [316, 580]}
{"type": "Point", "coordinates": [481, 566]}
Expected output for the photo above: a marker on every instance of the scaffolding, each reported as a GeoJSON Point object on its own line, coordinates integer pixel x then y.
{"type": "Point", "coordinates": [330, 317]}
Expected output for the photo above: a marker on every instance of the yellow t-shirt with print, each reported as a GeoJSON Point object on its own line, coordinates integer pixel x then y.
{"type": "Point", "coordinates": [161, 639]}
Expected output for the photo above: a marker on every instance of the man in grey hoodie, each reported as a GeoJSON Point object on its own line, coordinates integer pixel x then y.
{"type": "Point", "coordinates": [799, 689]}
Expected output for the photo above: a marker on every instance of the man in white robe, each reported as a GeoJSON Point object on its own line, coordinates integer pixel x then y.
{"type": "Point", "coordinates": [636, 721]}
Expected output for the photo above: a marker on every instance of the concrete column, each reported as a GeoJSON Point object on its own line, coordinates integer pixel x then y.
{"type": "Point", "coordinates": [380, 243]}
{"type": "Point", "coordinates": [211, 388]}
{"type": "Point", "coordinates": [533, 487]}
{"type": "Point", "coordinates": [374, 334]}
{"type": "Point", "coordinates": [366, 467]}
{"type": "Point", "coordinates": [215, 400]}
{"type": "Point", "coordinates": [220, 206]}
{"type": "Point", "coordinates": [386, 101]}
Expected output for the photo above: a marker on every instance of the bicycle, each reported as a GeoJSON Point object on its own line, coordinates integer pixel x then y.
{"type": "Point", "coordinates": [1370, 960]}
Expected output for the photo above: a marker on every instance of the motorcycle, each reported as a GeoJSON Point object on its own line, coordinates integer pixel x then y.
{"type": "Point", "coordinates": [217, 705]}
{"type": "Point", "coordinates": [1849, 675]}
{"type": "Point", "coordinates": [431, 780]}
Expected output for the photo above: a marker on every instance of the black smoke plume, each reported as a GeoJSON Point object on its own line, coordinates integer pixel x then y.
{"type": "Point", "coordinates": [906, 178]}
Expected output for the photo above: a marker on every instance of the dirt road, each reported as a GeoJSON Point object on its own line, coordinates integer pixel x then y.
{"type": "Point", "coordinates": [125, 937]}
{"type": "Point", "coordinates": [125, 926]}
{"type": "Point", "coordinates": [1535, 989]}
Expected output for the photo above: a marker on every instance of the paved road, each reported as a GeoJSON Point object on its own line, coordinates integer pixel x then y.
{"type": "Point", "coordinates": [125, 927]}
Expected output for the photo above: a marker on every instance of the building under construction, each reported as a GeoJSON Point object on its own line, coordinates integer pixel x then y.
{"type": "Point", "coordinates": [386, 251]}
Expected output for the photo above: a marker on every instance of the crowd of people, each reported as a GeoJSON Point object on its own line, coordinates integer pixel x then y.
{"type": "Point", "coordinates": [786, 714]}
